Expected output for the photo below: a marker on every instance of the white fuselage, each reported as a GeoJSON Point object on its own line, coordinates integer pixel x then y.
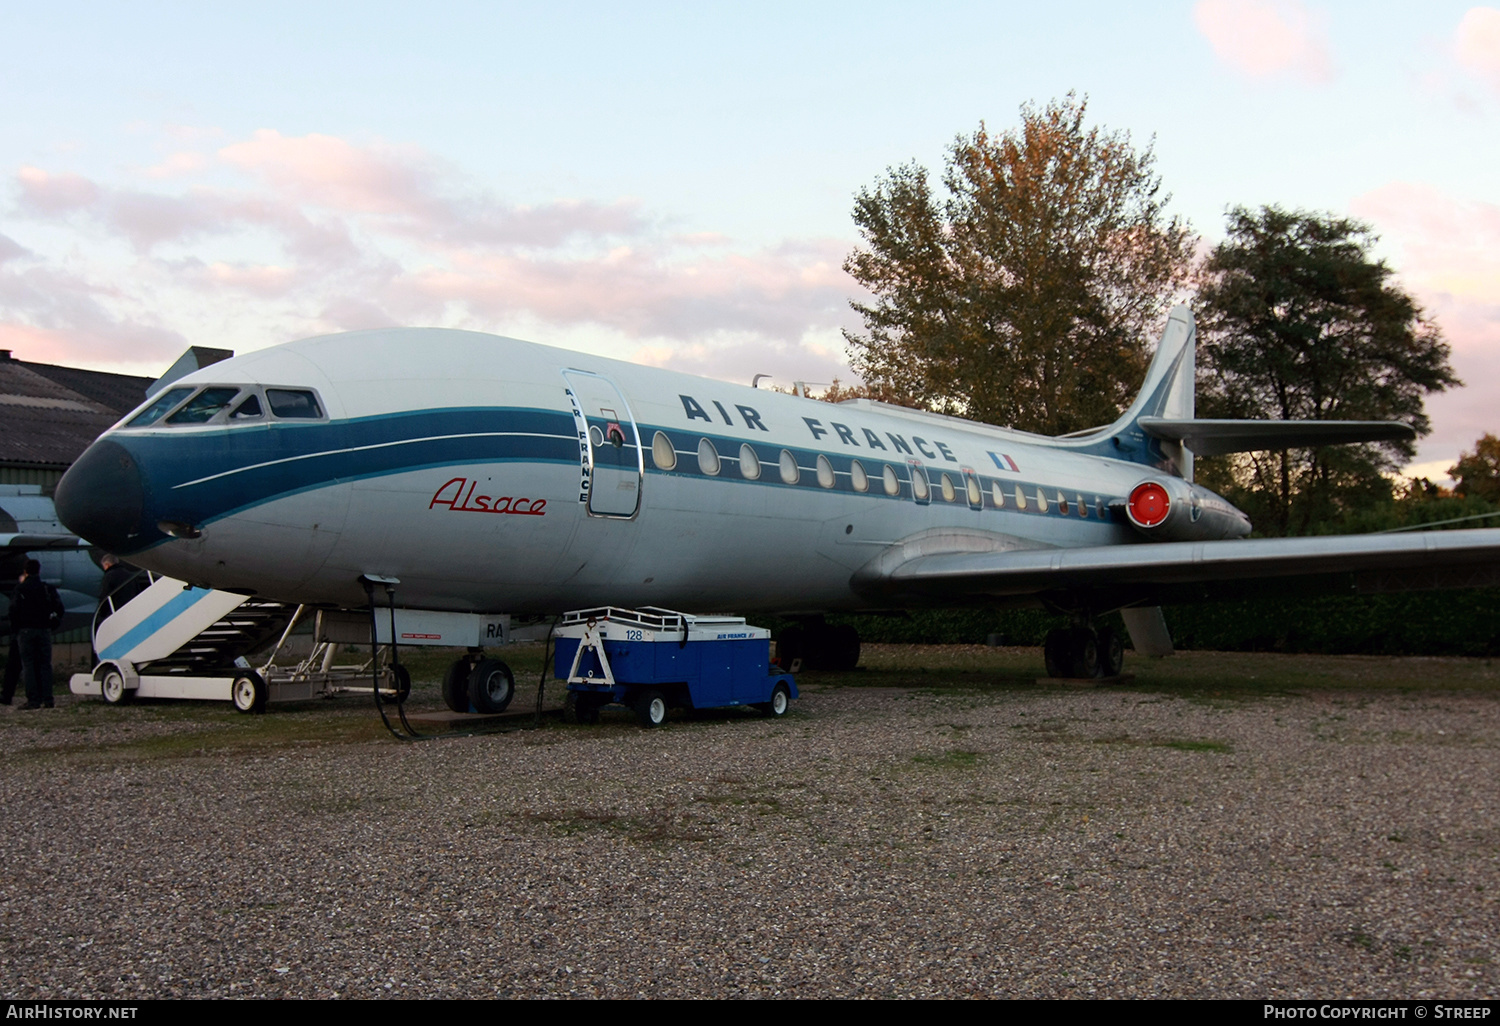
{"type": "Point", "coordinates": [460, 464]}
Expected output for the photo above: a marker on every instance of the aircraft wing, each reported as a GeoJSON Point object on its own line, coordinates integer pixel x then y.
{"type": "Point", "coordinates": [1165, 572]}
{"type": "Point", "coordinates": [34, 542]}
{"type": "Point", "coordinates": [1217, 437]}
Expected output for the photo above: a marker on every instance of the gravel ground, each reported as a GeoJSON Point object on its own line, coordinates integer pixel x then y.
{"type": "Point", "coordinates": [883, 842]}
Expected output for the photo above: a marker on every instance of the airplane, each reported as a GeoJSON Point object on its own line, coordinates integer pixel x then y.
{"type": "Point", "coordinates": [29, 529]}
{"type": "Point", "coordinates": [487, 475]}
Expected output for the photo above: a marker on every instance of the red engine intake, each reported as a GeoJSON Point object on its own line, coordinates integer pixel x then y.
{"type": "Point", "coordinates": [1149, 504]}
{"type": "Point", "coordinates": [1171, 509]}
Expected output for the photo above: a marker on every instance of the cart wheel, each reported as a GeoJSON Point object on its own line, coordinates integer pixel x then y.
{"type": "Point", "coordinates": [651, 709]}
{"type": "Point", "coordinates": [570, 708]}
{"type": "Point", "coordinates": [249, 693]}
{"type": "Point", "coordinates": [491, 686]}
{"type": "Point", "coordinates": [401, 681]}
{"type": "Point", "coordinates": [112, 687]}
{"type": "Point", "coordinates": [581, 707]}
{"type": "Point", "coordinates": [456, 686]}
{"type": "Point", "coordinates": [781, 700]}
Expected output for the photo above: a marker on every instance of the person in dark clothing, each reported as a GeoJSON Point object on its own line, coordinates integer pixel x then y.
{"type": "Point", "coordinates": [35, 611]}
{"type": "Point", "coordinates": [12, 672]}
{"type": "Point", "coordinates": [116, 576]}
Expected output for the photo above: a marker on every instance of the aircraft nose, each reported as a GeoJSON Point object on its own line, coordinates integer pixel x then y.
{"type": "Point", "coordinates": [102, 498]}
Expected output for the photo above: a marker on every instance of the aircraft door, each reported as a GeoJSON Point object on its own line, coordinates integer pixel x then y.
{"type": "Point", "coordinates": [609, 445]}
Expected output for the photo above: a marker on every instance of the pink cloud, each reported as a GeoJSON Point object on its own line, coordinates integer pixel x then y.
{"type": "Point", "coordinates": [10, 249]}
{"type": "Point", "coordinates": [1476, 43]}
{"type": "Point", "coordinates": [1449, 258]}
{"type": "Point", "coordinates": [47, 194]}
{"type": "Point", "coordinates": [1265, 38]}
{"type": "Point", "coordinates": [320, 233]}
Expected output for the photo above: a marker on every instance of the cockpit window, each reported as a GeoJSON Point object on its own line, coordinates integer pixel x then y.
{"type": "Point", "coordinates": [293, 404]}
{"type": "Point", "coordinates": [201, 407]}
{"type": "Point", "coordinates": [248, 409]}
{"type": "Point", "coordinates": [159, 407]}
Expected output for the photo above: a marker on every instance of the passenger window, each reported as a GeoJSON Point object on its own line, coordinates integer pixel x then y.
{"type": "Point", "coordinates": [790, 472]}
{"type": "Point", "coordinates": [1062, 503]}
{"type": "Point", "coordinates": [749, 464]}
{"type": "Point", "coordinates": [1083, 507]}
{"type": "Point", "coordinates": [976, 497]}
{"type": "Point", "coordinates": [892, 482]}
{"type": "Point", "coordinates": [998, 494]}
{"type": "Point", "coordinates": [248, 409]}
{"type": "Point", "coordinates": [1041, 501]}
{"type": "Point", "coordinates": [662, 452]}
{"type": "Point", "coordinates": [202, 407]}
{"type": "Point", "coordinates": [825, 473]}
{"type": "Point", "coordinates": [919, 489]}
{"type": "Point", "coordinates": [1020, 498]}
{"type": "Point", "coordinates": [293, 404]}
{"type": "Point", "coordinates": [857, 477]}
{"type": "Point", "coordinates": [708, 458]}
{"type": "Point", "coordinates": [949, 492]}
{"type": "Point", "coordinates": [159, 407]}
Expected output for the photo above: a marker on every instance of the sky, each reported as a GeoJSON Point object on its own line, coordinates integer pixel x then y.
{"type": "Point", "coordinates": [672, 184]}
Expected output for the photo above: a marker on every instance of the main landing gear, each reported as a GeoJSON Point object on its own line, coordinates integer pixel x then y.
{"type": "Point", "coordinates": [819, 646]}
{"type": "Point", "coordinates": [477, 684]}
{"type": "Point", "coordinates": [1081, 651]}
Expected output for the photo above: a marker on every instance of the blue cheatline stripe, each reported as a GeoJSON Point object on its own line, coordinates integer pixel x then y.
{"type": "Point", "coordinates": [168, 612]}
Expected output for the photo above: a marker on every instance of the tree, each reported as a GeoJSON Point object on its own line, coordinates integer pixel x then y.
{"type": "Point", "coordinates": [1027, 294]}
{"type": "Point", "coordinates": [1297, 320]}
{"type": "Point", "coordinates": [1478, 472]}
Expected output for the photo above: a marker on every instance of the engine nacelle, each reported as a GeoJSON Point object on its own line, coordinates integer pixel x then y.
{"type": "Point", "coordinates": [1171, 509]}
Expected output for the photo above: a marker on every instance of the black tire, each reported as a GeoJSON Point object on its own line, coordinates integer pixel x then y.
{"type": "Point", "coordinates": [1111, 652]}
{"type": "Point", "coordinates": [781, 701]}
{"type": "Point", "coordinates": [112, 687]}
{"type": "Point", "coordinates": [400, 681]}
{"type": "Point", "coordinates": [581, 707]}
{"type": "Point", "coordinates": [1056, 648]}
{"type": "Point", "coordinates": [249, 693]}
{"type": "Point", "coordinates": [1083, 650]}
{"type": "Point", "coordinates": [791, 646]}
{"type": "Point", "coordinates": [843, 647]}
{"type": "Point", "coordinates": [651, 708]}
{"type": "Point", "coordinates": [491, 686]}
{"type": "Point", "coordinates": [456, 686]}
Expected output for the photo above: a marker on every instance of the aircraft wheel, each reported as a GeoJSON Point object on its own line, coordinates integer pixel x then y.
{"type": "Point", "coordinates": [843, 647]}
{"type": "Point", "coordinates": [491, 686]}
{"type": "Point", "coordinates": [651, 708]}
{"type": "Point", "coordinates": [456, 686]}
{"type": "Point", "coordinates": [112, 687]}
{"type": "Point", "coordinates": [400, 681]}
{"type": "Point", "coordinates": [791, 646]}
{"type": "Point", "coordinates": [1056, 650]}
{"type": "Point", "coordinates": [249, 694]}
{"type": "Point", "coordinates": [1084, 650]}
{"type": "Point", "coordinates": [781, 700]}
{"type": "Point", "coordinates": [1111, 652]}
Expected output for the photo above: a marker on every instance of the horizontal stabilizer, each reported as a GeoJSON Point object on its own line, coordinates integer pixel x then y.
{"type": "Point", "coordinates": [1217, 437]}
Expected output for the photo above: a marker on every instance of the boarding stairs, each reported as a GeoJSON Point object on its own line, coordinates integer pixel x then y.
{"type": "Point", "coordinates": [174, 628]}
{"type": "Point", "coordinates": [162, 638]}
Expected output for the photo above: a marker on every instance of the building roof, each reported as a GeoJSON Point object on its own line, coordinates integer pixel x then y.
{"type": "Point", "coordinates": [50, 414]}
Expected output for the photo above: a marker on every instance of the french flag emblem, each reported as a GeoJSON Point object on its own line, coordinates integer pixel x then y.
{"type": "Point", "coordinates": [1004, 462]}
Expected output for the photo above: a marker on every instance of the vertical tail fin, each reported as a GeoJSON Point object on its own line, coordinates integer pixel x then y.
{"type": "Point", "coordinates": [1170, 386]}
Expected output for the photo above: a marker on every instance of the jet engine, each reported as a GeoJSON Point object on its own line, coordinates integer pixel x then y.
{"type": "Point", "coordinates": [1171, 509]}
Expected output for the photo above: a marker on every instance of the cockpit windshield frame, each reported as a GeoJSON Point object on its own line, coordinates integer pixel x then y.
{"type": "Point", "coordinates": [219, 404]}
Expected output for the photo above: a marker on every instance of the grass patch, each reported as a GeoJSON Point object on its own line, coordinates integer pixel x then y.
{"type": "Point", "coordinates": [956, 758]}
